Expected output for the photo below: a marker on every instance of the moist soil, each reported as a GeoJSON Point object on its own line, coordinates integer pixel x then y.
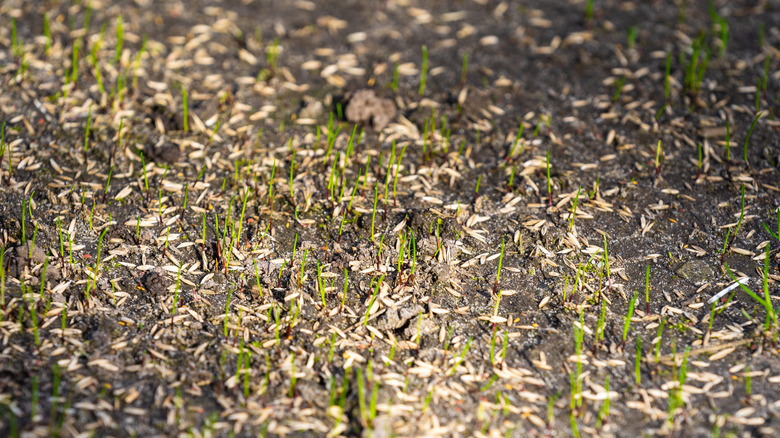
{"type": "Point", "coordinates": [396, 218]}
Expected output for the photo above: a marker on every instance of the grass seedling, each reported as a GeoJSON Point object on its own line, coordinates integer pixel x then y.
{"type": "Point", "coordinates": [186, 194]}
{"type": "Point", "coordinates": [401, 253]}
{"type": "Point", "coordinates": [657, 340]}
{"type": "Point", "coordinates": [346, 286]}
{"type": "Point", "coordinates": [712, 316]}
{"type": "Point", "coordinates": [579, 336]}
{"type": "Point", "coordinates": [349, 207]}
{"type": "Point", "coordinates": [498, 274]}
{"type": "Point", "coordinates": [460, 358]}
{"type": "Point", "coordinates": [185, 108]}
{"type": "Point", "coordinates": [273, 56]}
{"type": "Point", "coordinates": [59, 234]}
{"type": "Point", "coordinates": [74, 71]}
{"type": "Point", "coordinates": [32, 308]}
{"type": "Point", "coordinates": [574, 209]}
{"type": "Point", "coordinates": [4, 147]}
{"type": "Point", "coordinates": [97, 263]}
{"type": "Point", "coordinates": [747, 138]}
{"type": "Point", "coordinates": [373, 299]}
{"type": "Point", "coordinates": [108, 183]}
{"type": "Point", "coordinates": [257, 279]}
{"type": "Point", "coordinates": [373, 213]}
{"type": "Point", "coordinates": [120, 37]}
{"type": "Point", "coordinates": [518, 136]}
{"type": "Point", "coordinates": [659, 158]}
{"type": "Point", "coordinates": [723, 35]}
{"type": "Point", "coordinates": [87, 16]}
{"type": "Point", "coordinates": [423, 71]}
{"type": "Point", "coordinates": [766, 75]}
{"type": "Point", "coordinates": [365, 177]}
{"type": "Point", "coordinates": [728, 143]}
{"type": "Point", "coordinates": [95, 65]}
{"type": "Point", "coordinates": [361, 396]}
{"type": "Point", "coordinates": [241, 219]}
{"type": "Point", "coordinates": [321, 284]}
{"type": "Point", "coordinates": [748, 384]}
{"type": "Point", "coordinates": [476, 190]}
{"type": "Point", "coordinates": [86, 129]}
{"type": "Point", "coordinates": [137, 62]}
{"type": "Point", "coordinates": [727, 243]}
{"type": "Point", "coordinates": [589, 12]}
{"type": "Point", "coordinates": [394, 85]}
{"type": "Point", "coordinates": [667, 72]}
{"type": "Point", "coordinates": [70, 247]}
{"type": "Point", "coordinates": [464, 69]}
{"type": "Point", "coordinates": [629, 315]}
{"type": "Point", "coordinates": [419, 327]}
{"type": "Point", "coordinates": [619, 89]}
{"type": "Point", "coordinates": [388, 174]}
{"type": "Point", "coordinates": [24, 220]}
{"type": "Point", "coordinates": [661, 110]}
{"type": "Point", "coordinates": [292, 176]}
{"type": "Point", "coordinates": [699, 162]}
{"type": "Point", "coordinates": [511, 179]}
{"type": "Point", "coordinates": [604, 411]}
{"type": "Point", "coordinates": [601, 324]}
{"type": "Point", "coordinates": [303, 265]}
{"type": "Point", "coordinates": [379, 253]}
{"type": "Point", "coordinates": [638, 362]}
{"type": "Point", "coordinates": [227, 311]}
{"type": "Point", "coordinates": [214, 131]}
{"type": "Point", "coordinates": [549, 181]}
{"type": "Point", "coordinates": [766, 227]}
{"type": "Point", "coordinates": [766, 302]}
{"type": "Point", "coordinates": [647, 290]}
{"type": "Point", "coordinates": [271, 186]}
{"type": "Point", "coordinates": [176, 294]}
{"type": "Point", "coordinates": [47, 34]}
{"type": "Point", "coordinates": [143, 167]}
{"type": "Point", "coordinates": [631, 40]}
{"type": "Point", "coordinates": [692, 65]}
{"type": "Point", "coordinates": [293, 377]}
{"type": "Point", "coordinates": [159, 208]}
{"type": "Point", "coordinates": [15, 43]}
{"type": "Point", "coordinates": [606, 264]}
{"type": "Point", "coordinates": [675, 394]}
{"type": "Point", "coordinates": [331, 134]}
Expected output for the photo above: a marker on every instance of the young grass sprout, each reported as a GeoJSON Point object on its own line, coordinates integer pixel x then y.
{"type": "Point", "coordinates": [424, 70]}
{"type": "Point", "coordinates": [629, 315]}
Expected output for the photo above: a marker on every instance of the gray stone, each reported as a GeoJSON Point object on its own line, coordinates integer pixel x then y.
{"type": "Point", "coordinates": [696, 271]}
{"type": "Point", "coordinates": [363, 106]}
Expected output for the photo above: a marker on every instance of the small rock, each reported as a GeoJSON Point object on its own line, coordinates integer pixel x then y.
{"type": "Point", "coordinates": [363, 106]}
{"type": "Point", "coordinates": [697, 271]}
{"type": "Point", "coordinates": [217, 283]}
{"type": "Point", "coordinates": [163, 151]}
{"type": "Point", "coordinates": [311, 108]}
{"type": "Point", "coordinates": [426, 327]}
{"type": "Point", "coordinates": [147, 236]}
{"type": "Point", "coordinates": [156, 283]}
{"type": "Point", "coordinates": [397, 318]}
{"type": "Point", "coordinates": [23, 252]}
